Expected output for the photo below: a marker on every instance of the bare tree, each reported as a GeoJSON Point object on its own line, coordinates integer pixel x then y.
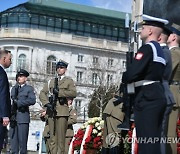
{"type": "Point", "coordinates": [105, 74]}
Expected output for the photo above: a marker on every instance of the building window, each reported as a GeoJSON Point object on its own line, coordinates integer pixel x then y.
{"type": "Point", "coordinates": [51, 65]}
{"type": "Point", "coordinates": [79, 77]}
{"type": "Point", "coordinates": [80, 58]}
{"type": "Point", "coordinates": [22, 61]}
{"type": "Point", "coordinates": [95, 60]}
{"type": "Point", "coordinates": [110, 62]}
{"type": "Point", "coordinates": [78, 105]}
{"type": "Point", "coordinates": [109, 79]}
{"type": "Point", "coordinates": [94, 79]}
{"type": "Point", "coordinates": [124, 64]}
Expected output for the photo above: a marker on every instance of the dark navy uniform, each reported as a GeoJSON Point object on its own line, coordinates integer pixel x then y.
{"type": "Point", "coordinates": [146, 71]}
{"type": "Point", "coordinates": [169, 96]}
{"type": "Point", "coordinates": [19, 133]}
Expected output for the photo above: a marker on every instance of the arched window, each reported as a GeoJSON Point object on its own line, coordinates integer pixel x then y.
{"type": "Point", "coordinates": [22, 61]}
{"type": "Point", "coordinates": [51, 65]}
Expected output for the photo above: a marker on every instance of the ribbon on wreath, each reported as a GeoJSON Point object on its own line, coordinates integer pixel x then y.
{"type": "Point", "coordinates": [87, 134]}
{"type": "Point", "coordinates": [71, 149]}
{"type": "Point", "coordinates": [134, 142]}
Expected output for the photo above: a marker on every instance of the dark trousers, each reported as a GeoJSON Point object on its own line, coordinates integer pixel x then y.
{"type": "Point", "coordinates": [2, 135]}
{"type": "Point", "coordinates": [19, 138]}
{"type": "Point", "coordinates": [148, 123]}
{"type": "Point", "coordinates": [165, 126]}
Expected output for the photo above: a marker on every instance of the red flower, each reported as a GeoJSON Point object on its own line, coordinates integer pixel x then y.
{"type": "Point", "coordinates": [78, 139]}
{"type": "Point", "coordinates": [96, 139]}
{"type": "Point", "coordinates": [88, 139]}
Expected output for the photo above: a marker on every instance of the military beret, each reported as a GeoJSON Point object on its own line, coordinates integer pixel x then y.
{"type": "Point", "coordinates": [22, 72]}
{"type": "Point", "coordinates": [154, 21]}
{"type": "Point", "coordinates": [61, 64]}
{"type": "Point", "coordinates": [175, 29]}
{"type": "Point", "coordinates": [167, 30]}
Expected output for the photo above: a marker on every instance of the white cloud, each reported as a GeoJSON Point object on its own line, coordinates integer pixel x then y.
{"type": "Point", "coordinates": [119, 5]}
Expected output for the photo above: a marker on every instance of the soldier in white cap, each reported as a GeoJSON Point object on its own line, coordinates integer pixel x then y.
{"type": "Point", "coordinates": [146, 72]}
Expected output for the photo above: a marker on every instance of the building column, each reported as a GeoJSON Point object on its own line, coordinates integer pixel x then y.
{"type": "Point", "coordinates": [15, 59]}
{"type": "Point", "coordinates": [30, 61]}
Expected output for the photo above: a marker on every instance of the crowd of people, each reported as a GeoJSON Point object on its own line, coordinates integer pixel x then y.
{"type": "Point", "coordinates": [154, 74]}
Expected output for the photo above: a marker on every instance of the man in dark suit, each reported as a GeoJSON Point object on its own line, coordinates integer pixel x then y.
{"type": "Point", "coordinates": [23, 96]}
{"type": "Point", "coordinates": [5, 104]}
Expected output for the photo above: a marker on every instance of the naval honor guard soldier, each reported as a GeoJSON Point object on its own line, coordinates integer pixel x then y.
{"type": "Point", "coordinates": [146, 73]}
{"type": "Point", "coordinates": [23, 96]}
{"type": "Point", "coordinates": [58, 124]}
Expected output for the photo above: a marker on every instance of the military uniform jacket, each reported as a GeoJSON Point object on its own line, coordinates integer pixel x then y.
{"type": "Point", "coordinates": [114, 111]}
{"type": "Point", "coordinates": [175, 53]}
{"type": "Point", "coordinates": [26, 97]}
{"type": "Point", "coordinates": [66, 89]}
{"type": "Point", "coordinates": [71, 120]}
{"type": "Point", "coordinates": [148, 64]}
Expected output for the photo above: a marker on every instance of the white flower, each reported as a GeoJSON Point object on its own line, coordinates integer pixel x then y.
{"type": "Point", "coordinates": [99, 128]}
{"type": "Point", "coordinates": [102, 123]}
{"type": "Point", "coordinates": [85, 124]}
{"type": "Point", "coordinates": [99, 134]}
{"type": "Point", "coordinates": [82, 127]}
{"type": "Point", "coordinates": [94, 131]}
{"type": "Point", "coordinates": [97, 124]}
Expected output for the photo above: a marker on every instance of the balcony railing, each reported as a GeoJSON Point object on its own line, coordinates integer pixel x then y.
{"type": "Point", "coordinates": [26, 33]}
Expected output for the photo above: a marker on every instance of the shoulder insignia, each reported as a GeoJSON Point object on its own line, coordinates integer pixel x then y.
{"type": "Point", "coordinates": [139, 56]}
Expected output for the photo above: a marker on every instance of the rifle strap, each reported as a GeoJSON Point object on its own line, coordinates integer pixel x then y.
{"type": "Point", "coordinates": [50, 94]}
{"type": "Point", "coordinates": [54, 126]}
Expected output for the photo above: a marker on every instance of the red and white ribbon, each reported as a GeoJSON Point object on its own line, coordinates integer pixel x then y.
{"type": "Point", "coordinates": [87, 134]}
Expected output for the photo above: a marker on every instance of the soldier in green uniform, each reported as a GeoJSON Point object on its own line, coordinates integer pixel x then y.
{"type": "Point", "coordinates": [173, 43]}
{"type": "Point", "coordinates": [113, 116]}
{"type": "Point", "coordinates": [58, 124]}
{"type": "Point", "coordinates": [71, 120]}
{"type": "Point", "coordinates": [46, 133]}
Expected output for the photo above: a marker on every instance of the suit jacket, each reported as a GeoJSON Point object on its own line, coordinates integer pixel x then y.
{"type": "Point", "coordinates": [5, 103]}
{"type": "Point", "coordinates": [26, 97]}
{"type": "Point", "coordinates": [66, 89]}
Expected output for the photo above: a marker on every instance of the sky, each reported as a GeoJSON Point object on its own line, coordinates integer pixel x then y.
{"type": "Point", "coordinates": [118, 5]}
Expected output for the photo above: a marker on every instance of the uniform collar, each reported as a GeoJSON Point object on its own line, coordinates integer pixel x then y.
{"type": "Point", "coordinates": [62, 77]}
{"type": "Point", "coordinates": [163, 44]}
{"type": "Point", "coordinates": [2, 66]}
{"type": "Point", "coordinates": [21, 85]}
{"type": "Point", "coordinates": [173, 47]}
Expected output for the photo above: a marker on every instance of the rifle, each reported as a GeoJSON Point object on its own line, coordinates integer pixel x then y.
{"type": "Point", "coordinates": [13, 121]}
{"type": "Point", "coordinates": [53, 99]}
{"type": "Point", "coordinates": [127, 92]}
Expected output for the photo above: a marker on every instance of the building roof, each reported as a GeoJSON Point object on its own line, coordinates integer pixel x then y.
{"type": "Point", "coordinates": [76, 11]}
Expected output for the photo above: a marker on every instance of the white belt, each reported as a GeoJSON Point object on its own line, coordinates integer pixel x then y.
{"type": "Point", "coordinates": [143, 83]}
